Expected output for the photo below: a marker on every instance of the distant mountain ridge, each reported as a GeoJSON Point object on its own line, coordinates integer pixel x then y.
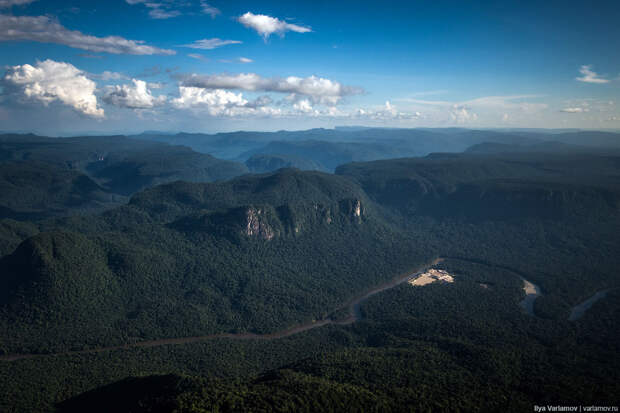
{"type": "Point", "coordinates": [329, 148]}
{"type": "Point", "coordinates": [58, 175]}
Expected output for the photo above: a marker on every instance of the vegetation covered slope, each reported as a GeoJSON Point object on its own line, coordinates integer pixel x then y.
{"type": "Point", "coordinates": [457, 347]}
{"type": "Point", "coordinates": [48, 177]}
{"type": "Point", "coordinates": [266, 163]}
{"type": "Point", "coordinates": [552, 217]}
{"type": "Point", "coordinates": [258, 254]}
{"type": "Point", "coordinates": [88, 169]}
{"type": "Point", "coordinates": [261, 253]}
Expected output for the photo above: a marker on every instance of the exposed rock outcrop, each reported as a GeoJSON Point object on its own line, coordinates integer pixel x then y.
{"type": "Point", "coordinates": [257, 225]}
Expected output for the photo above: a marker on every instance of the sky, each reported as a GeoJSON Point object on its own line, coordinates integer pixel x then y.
{"type": "Point", "coordinates": [126, 66]}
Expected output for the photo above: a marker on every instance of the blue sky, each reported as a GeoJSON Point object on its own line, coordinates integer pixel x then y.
{"type": "Point", "coordinates": [208, 65]}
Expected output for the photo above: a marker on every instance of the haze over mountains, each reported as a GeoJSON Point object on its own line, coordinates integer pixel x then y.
{"type": "Point", "coordinates": [134, 256]}
{"type": "Point", "coordinates": [325, 149]}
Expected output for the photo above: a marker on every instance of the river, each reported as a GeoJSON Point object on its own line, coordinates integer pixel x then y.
{"type": "Point", "coordinates": [353, 306]}
{"type": "Point", "coordinates": [579, 310]}
{"type": "Point", "coordinates": [532, 292]}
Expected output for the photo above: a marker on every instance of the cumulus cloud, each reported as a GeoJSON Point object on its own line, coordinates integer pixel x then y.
{"type": "Point", "coordinates": [10, 3]}
{"type": "Point", "coordinates": [195, 96]}
{"type": "Point", "coordinates": [136, 96]}
{"type": "Point", "coordinates": [45, 30]}
{"type": "Point", "coordinates": [589, 76]}
{"type": "Point", "coordinates": [245, 60]}
{"type": "Point", "coordinates": [462, 114]}
{"type": "Point", "coordinates": [319, 90]}
{"type": "Point", "coordinates": [574, 110]}
{"type": "Point", "coordinates": [51, 81]}
{"type": "Point", "coordinates": [267, 25]}
{"type": "Point", "coordinates": [221, 102]}
{"type": "Point", "coordinates": [261, 101]}
{"type": "Point", "coordinates": [304, 106]}
{"type": "Point", "coordinates": [210, 44]}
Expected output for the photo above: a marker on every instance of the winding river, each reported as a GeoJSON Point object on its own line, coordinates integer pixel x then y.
{"type": "Point", "coordinates": [352, 305]}
{"type": "Point", "coordinates": [532, 291]}
{"type": "Point", "coordinates": [579, 310]}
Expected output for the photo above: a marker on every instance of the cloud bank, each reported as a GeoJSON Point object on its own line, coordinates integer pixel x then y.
{"type": "Point", "coordinates": [319, 90]}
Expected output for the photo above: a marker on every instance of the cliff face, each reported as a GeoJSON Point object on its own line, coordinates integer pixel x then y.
{"type": "Point", "coordinates": [267, 223]}
{"type": "Point", "coordinates": [264, 222]}
{"type": "Point", "coordinates": [256, 224]}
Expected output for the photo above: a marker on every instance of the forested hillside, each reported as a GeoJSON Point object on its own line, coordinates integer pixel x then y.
{"type": "Point", "coordinates": [263, 253]}
{"type": "Point", "coordinates": [69, 175]}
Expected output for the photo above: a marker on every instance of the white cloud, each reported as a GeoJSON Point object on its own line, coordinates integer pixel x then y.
{"type": "Point", "coordinates": [90, 56]}
{"type": "Point", "coordinates": [221, 102]}
{"type": "Point", "coordinates": [161, 14]}
{"type": "Point", "coordinates": [472, 111]}
{"type": "Point", "coordinates": [589, 105]}
{"type": "Point", "coordinates": [195, 96]}
{"type": "Point", "coordinates": [514, 102]}
{"type": "Point", "coordinates": [166, 9]}
{"type": "Point", "coordinates": [10, 3]}
{"type": "Point", "coordinates": [261, 101]}
{"type": "Point", "coordinates": [243, 60]}
{"type": "Point", "coordinates": [387, 112]}
{"type": "Point", "coordinates": [267, 25]}
{"type": "Point", "coordinates": [574, 110]}
{"type": "Point", "coordinates": [51, 81]}
{"type": "Point", "coordinates": [589, 76]}
{"type": "Point", "coordinates": [137, 96]}
{"type": "Point", "coordinates": [210, 44]}
{"type": "Point", "coordinates": [158, 9]}
{"type": "Point", "coordinates": [107, 75]}
{"type": "Point", "coordinates": [208, 9]}
{"type": "Point", "coordinates": [198, 56]}
{"type": "Point", "coordinates": [304, 106]}
{"type": "Point", "coordinates": [462, 114]}
{"type": "Point", "coordinates": [45, 30]}
{"type": "Point", "coordinates": [319, 90]}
